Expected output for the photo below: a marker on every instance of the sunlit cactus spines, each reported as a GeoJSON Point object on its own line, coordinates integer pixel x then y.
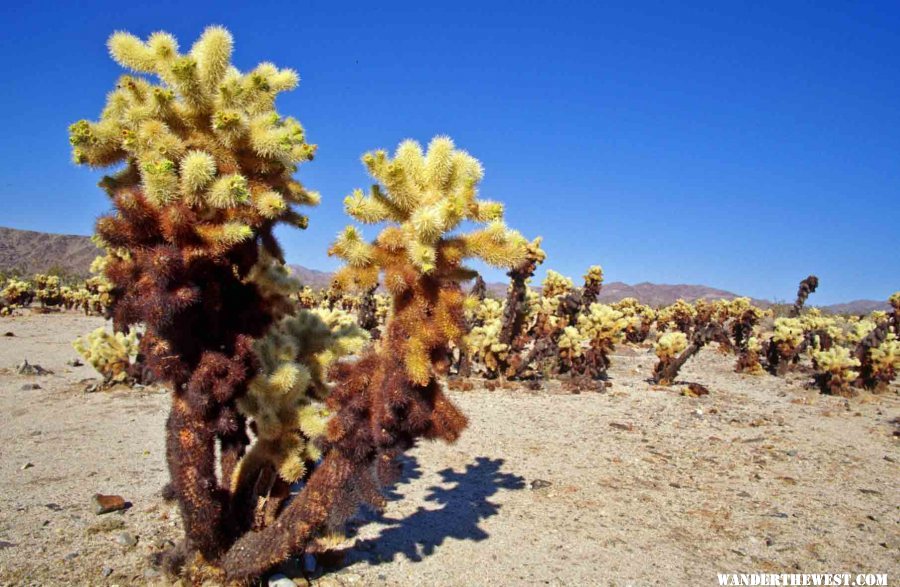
{"type": "Point", "coordinates": [835, 370]}
{"type": "Point", "coordinates": [556, 284]}
{"type": "Point", "coordinates": [113, 355]}
{"type": "Point", "coordinates": [204, 148]}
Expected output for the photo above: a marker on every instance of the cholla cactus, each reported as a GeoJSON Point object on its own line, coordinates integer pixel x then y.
{"type": "Point", "coordinates": [16, 294]}
{"type": "Point", "coordinates": [484, 347]}
{"type": "Point", "coordinates": [593, 283]}
{"type": "Point", "coordinates": [47, 290]}
{"type": "Point", "coordinates": [640, 318]}
{"type": "Point", "coordinates": [834, 370]}
{"type": "Point", "coordinates": [392, 394]}
{"type": "Point", "coordinates": [782, 349]}
{"type": "Point", "coordinates": [748, 359]}
{"type": "Point", "coordinates": [517, 296]}
{"type": "Point", "coordinates": [306, 298]}
{"type": "Point", "coordinates": [571, 347]}
{"type": "Point", "coordinates": [882, 364]}
{"type": "Point", "coordinates": [894, 301]}
{"type": "Point", "coordinates": [602, 327]}
{"type": "Point", "coordinates": [207, 173]}
{"type": "Point", "coordinates": [859, 330]}
{"type": "Point", "coordinates": [555, 285]}
{"type": "Point", "coordinates": [744, 316]}
{"type": "Point", "coordinates": [113, 355]}
{"type": "Point", "coordinates": [286, 400]}
{"type": "Point", "coordinates": [679, 315]}
{"type": "Point", "coordinates": [674, 349]}
{"type": "Point", "coordinates": [807, 286]}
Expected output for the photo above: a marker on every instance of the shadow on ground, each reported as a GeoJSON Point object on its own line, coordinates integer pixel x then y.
{"type": "Point", "coordinates": [463, 497]}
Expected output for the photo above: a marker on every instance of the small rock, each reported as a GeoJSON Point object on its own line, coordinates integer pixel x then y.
{"type": "Point", "coordinates": [30, 387]}
{"type": "Point", "coordinates": [26, 466]}
{"type": "Point", "coordinates": [72, 555]}
{"type": "Point", "coordinates": [540, 484]}
{"type": "Point", "coordinates": [106, 572]}
{"type": "Point", "coordinates": [8, 334]}
{"type": "Point", "coordinates": [743, 494]}
{"type": "Point", "coordinates": [280, 580]}
{"type": "Point", "coordinates": [620, 426]}
{"type": "Point", "coordinates": [53, 507]}
{"type": "Point", "coordinates": [103, 504]}
{"type": "Point", "coordinates": [27, 368]}
{"type": "Point", "coordinates": [74, 363]}
{"type": "Point", "coordinates": [127, 539]}
{"type": "Point", "coordinates": [151, 573]}
{"type": "Point", "coordinates": [791, 453]}
{"type": "Point", "coordinates": [91, 388]}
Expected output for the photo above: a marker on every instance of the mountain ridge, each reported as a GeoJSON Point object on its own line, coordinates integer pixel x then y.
{"type": "Point", "coordinates": [32, 252]}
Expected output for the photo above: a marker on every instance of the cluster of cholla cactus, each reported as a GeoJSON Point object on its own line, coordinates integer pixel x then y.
{"type": "Point", "coordinates": [639, 318]}
{"type": "Point", "coordinates": [91, 296]}
{"type": "Point", "coordinates": [48, 290]}
{"type": "Point", "coordinates": [16, 293]}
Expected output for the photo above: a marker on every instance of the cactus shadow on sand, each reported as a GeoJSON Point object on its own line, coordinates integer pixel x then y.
{"type": "Point", "coordinates": [464, 500]}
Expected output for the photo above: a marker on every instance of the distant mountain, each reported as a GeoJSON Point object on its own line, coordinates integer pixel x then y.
{"type": "Point", "coordinates": [36, 252]}
{"type": "Point", "coordinates": [857, 307]}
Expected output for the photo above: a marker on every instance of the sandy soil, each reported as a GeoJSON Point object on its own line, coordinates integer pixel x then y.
{"type": "Point", "coordinates": [646, 486]}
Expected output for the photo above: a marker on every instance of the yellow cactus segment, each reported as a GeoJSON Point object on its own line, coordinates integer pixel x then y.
{"type": "Point", "coordinates": [670, 345]}
{"type": "Point", "coordinates": [109, 353]}
{"type": "Point", "coordinates": [198, 169]}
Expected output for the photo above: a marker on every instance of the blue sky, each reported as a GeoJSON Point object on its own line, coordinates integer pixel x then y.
{"type": "Point", "coordinates": [737, 145]}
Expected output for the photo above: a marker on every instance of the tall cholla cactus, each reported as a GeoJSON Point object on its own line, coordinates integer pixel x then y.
{"type": "Point", "coordinates": [392, 394]}
{"type": "Point", "coordinates": [207, 173]}
{"type": "Point", "coordinates": [516, 309]}
{"type": "Point", "coordinates": [425, 197]}
{"type": "Point", "coordinates": [807, 287]}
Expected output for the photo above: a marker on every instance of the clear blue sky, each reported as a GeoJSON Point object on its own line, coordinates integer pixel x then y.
{"type": "Point", "coordinates": [738, 145]}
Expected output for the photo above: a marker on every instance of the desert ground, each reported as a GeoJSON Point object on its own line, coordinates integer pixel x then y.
{"type": "Point", "coordinates": [634, 485]}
